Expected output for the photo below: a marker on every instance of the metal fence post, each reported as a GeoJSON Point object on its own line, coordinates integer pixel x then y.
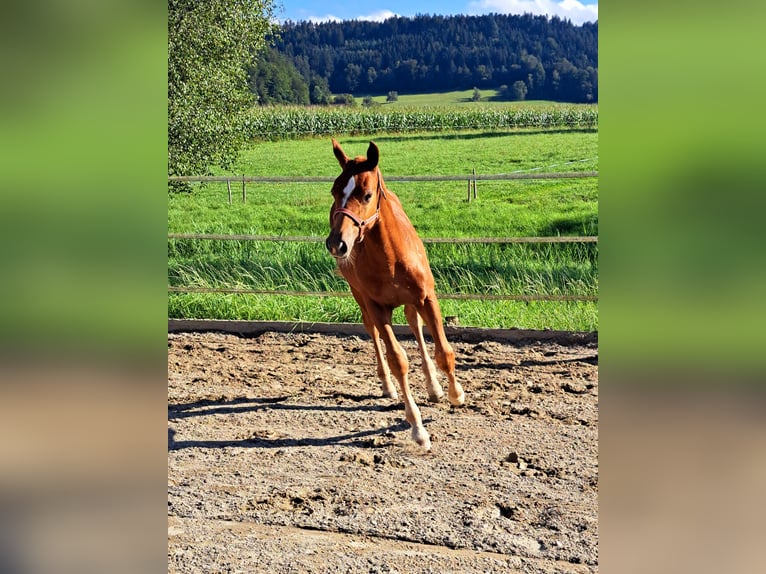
{"type": "Point", "coordinates": [228, 186]}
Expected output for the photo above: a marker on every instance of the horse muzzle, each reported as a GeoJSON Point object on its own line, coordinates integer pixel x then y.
{"type": "Point", "coordinates": [340, 242]}
{"type": "Point", "coordinates": [336, 246]}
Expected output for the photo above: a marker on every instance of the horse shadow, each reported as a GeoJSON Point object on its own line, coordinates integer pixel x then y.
{"type": "Point", "coordinates": [206, 407]}
{"type": "Point", "coordinates": [498, 366]}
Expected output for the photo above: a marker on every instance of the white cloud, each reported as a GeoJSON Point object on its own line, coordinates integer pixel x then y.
{"type": "Point", "coordinates": [573, 10]}
{"type": "Point", "coordinates": [378, 16]}
{"type": "Point", "coordinates": [322, 19]}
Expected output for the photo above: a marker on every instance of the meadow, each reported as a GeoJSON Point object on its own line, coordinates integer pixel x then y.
{"type": "Point", "coordinates": [462, 98]}
{"type": "Point", "coordinates": [437, 209]}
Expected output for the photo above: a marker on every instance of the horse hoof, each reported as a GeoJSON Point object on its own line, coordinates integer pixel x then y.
{"type": "Point", "coordinates": [457, 400]}
{"type": "Point", "coordinates": [389, 391]}
{"type": "Point", "coordinates": [420, 436]}
{"type": "Point", "coordinates": [436, 397]}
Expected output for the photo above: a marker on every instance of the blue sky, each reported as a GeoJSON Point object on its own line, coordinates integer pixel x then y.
{"type": "Point", "coordinates": [578, 11]}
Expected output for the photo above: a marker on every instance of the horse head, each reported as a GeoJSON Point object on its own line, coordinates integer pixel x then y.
{"type": "Point", "coordinates": [356, 192]}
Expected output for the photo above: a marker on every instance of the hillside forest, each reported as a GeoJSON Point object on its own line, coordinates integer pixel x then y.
{"type": "Point", "coordinates": [523, 57]}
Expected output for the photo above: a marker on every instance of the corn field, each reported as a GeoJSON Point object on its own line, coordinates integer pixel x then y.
{"type": "Point", "coordinates": [287, 122]}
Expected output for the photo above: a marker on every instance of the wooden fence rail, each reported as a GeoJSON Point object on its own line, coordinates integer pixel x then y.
{"type": "Point", "coordinates": [472, 178]}
{"type": "Point", "coordinates": [457, 296]}
{"type": "Point", "coordinates": [330, 179]}
{"type": "Point", "coordinates": [317, 239]}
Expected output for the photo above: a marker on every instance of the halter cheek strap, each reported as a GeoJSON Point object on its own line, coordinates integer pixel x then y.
{"type": "Point", "coordinates": [363, 224]}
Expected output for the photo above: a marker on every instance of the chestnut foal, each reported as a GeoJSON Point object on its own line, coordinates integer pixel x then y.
{"type": "Point", "coordinates": [381, 256]}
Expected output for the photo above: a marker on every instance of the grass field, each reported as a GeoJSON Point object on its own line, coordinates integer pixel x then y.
{"type": "Point", "coordinates": [459, 98]}
{"type": "Point", "coordinates": [438, 209]}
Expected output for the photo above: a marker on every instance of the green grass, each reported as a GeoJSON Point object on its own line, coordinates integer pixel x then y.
{"type": "Point", "coordinates": [459, 98]}
{"type": "Point", "coordinates": [438, 209]}
{"type": "Point", "coordinates": [430, 153]}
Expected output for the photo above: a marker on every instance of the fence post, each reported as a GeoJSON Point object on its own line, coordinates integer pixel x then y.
{"type": "Point", "coordinates": [474, 183]}
{"type": "Point", "coordinates": [469, 190]}
{"type": "Point", "coordinates": [244, 193]}
{"type": "Point", "coordinates": [228, 186]}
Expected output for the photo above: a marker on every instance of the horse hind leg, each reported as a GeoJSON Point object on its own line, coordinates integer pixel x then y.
{"type": "Point", "coordinates": [444, 354]}
{"type": "Point", "coordinates": [435, 391]}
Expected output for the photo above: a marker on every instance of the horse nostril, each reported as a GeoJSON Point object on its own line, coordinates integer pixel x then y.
{"type": "Point", "coordinates": [336, 246]}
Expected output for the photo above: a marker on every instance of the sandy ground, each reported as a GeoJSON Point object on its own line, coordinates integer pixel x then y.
{"type": "Point", "coordinates": [282, 457]}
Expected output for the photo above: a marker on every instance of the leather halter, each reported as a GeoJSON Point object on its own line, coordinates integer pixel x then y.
{"type": "Point", "coordinates": [363, 224]}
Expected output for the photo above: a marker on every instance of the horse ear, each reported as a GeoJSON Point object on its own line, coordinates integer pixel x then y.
{"type": "Point", "coordinates": [339, 154]}
{"type": "Point", "coordinates": [373, 155]}
{"type": "Point", "coordinates": [370, 162]}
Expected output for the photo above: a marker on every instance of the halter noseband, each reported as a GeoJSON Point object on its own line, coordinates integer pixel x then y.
{"type": "Point", "coordinates": [363, 223]}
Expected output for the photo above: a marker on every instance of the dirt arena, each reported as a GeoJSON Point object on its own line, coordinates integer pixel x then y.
{"type": "Point", "coordinates": [283, 458]}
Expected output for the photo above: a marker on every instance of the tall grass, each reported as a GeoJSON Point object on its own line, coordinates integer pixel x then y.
{"type": "Point", "coordinates": [497, 269]}
{"type": "Point", "coordinates": [531, 269]}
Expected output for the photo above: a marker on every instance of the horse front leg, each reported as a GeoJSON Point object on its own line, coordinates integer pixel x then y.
{"type": "Point", "coordinates": [384, 373]}
{"type": "Point", "coordinates": [399, 365]}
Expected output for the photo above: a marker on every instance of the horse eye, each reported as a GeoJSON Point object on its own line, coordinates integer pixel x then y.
{"type": "Point", "coordinates": [367, 197]}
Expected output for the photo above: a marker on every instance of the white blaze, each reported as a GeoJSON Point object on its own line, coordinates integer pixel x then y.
{"type": "Point", "coordinates": [347, 192]}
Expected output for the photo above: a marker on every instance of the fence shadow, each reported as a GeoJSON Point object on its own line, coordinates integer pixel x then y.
{"type": "Point", "coordinates": [359, 439]}
{"type": "Point", "coordinates": [350, 439]}
{"type": "Point", "coordinates": [247, 404]}
{"type": "Point", "coordinates": [465, 365]}
{"type": "Point", "coordinates": [589, 360]}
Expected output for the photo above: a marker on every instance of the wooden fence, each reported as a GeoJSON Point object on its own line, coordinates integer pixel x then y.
{"type": "Point", "coordinates": [471, 179]}
{"type": "Point", "coordinates": [316, 239]}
